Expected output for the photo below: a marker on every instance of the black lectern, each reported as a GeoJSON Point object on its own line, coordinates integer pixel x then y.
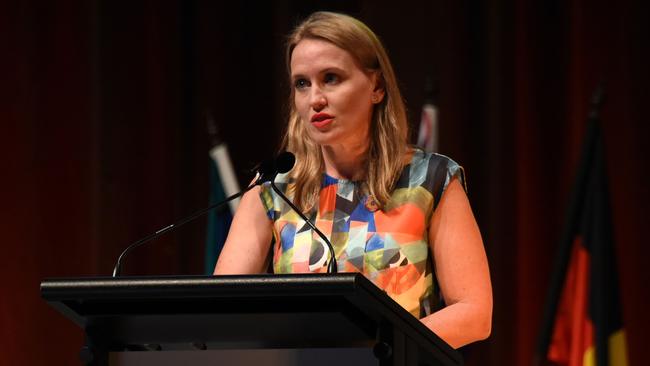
{"type": "Point", "coordinates": [236, 312]}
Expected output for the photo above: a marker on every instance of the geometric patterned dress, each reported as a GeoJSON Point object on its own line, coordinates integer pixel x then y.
{"type": "Point", "coordinates": [389, 246]}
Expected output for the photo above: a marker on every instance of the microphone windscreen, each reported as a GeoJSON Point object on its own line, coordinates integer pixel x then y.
{"type": "Point", "coordinates": [267, 167]}
{"type": "Point", "coordinates": [285, 162]}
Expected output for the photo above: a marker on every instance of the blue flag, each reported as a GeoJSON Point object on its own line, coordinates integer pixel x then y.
{"type": "Point", "coordinates": [223, 183]}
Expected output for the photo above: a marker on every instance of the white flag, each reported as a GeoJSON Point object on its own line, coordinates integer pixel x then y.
{"type": "Point", "coordinates": [428, 134]}
{"type": "Point", "coordinates": [220, 156]}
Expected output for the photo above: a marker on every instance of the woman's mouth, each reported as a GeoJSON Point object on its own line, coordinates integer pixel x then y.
{"type": "Point", "coordinates": [321, 120]}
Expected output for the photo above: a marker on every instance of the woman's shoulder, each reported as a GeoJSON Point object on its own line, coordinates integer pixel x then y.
{"type": "Point", "coordinates": [423, 160]}
{"type": "Point", "coordinates": [432, 171]}
{"type": "Point", "coordinates": [428, 162]}
{"type": "Point", "coordinates": [282, 182]}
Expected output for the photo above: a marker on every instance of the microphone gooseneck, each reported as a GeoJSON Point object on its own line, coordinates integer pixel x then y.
{"type": "Point", "coordinates": [118, 265]}
{"type": "Point", "coordinates": [332, 267]}
{"type": "Point", "coordinates": [266, 172]}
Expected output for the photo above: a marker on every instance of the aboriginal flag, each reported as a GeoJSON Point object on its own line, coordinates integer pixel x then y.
{"type": "Point", "coordinates": [582, 320]}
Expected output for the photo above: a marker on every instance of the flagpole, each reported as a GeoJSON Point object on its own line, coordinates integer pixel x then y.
{"type": "Point", "coordinates": [573, 218]}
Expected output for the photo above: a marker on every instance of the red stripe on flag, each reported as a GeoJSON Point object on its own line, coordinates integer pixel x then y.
{"type": "Point", "coordinates": [573, 332]}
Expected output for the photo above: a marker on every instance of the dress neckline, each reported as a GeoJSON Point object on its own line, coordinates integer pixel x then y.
{"type": "Point", "coordinates": [415, 152]}
{"type": "Point", "coordinates": [340, 180]}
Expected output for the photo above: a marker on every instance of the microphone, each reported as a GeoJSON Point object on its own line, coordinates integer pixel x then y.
{"type": "Point", "coordinates": [266, 171]}
{"type": "Point", "coordinates": [270, 168]}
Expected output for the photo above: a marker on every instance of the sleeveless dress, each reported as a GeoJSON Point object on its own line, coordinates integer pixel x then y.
{"type": "Point", "coordinates": [389, 246]}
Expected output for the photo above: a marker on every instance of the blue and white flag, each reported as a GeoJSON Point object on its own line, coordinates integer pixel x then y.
{"type": "Point", "coordinates": [223, 183]}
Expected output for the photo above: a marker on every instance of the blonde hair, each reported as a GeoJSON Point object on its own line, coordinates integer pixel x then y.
{"type": "Point", "coordinates": [388, 129]}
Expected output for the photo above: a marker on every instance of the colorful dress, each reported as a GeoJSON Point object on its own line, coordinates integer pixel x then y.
{"type": "Point", "coordinates": [389, 246]}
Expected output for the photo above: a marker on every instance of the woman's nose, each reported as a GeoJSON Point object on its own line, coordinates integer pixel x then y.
{"type": "Point", "coordinates": [317, 99]}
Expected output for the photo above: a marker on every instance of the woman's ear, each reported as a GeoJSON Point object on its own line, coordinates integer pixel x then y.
{"type": "Point", "coordinates": [378, 91]}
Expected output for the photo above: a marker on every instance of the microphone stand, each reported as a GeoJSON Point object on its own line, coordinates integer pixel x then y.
{"type": "Point", "coordinates": [118, 266]}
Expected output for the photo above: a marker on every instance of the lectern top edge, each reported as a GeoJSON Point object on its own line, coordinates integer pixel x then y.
{"type": "Point", "coordinates": [58, 289]}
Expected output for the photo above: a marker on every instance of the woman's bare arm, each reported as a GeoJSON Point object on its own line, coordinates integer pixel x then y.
{"type": "Point", "coordinates": [248, 243]}
{"type": "Point", "coordinates": [462, 271]}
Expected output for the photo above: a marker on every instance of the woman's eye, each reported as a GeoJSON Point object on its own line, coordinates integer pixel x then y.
{"type": "Point", "coordinates": [300, 83]}
{"type": "Point", "coordinates": [331, 78]}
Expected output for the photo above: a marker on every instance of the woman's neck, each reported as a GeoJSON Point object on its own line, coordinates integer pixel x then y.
{"type": "Point", "coordinates": [345, 162]}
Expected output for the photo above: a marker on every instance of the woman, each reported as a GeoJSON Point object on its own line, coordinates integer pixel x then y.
{"type": "Point", "coordinates": [394, 213]}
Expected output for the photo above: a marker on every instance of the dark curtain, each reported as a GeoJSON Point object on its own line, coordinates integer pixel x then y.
{"type": "Point", "coordinates": [104, 107]}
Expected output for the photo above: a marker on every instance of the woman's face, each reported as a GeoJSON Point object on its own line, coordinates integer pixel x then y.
{"type": "Point", "coordinates": [333, 95]}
